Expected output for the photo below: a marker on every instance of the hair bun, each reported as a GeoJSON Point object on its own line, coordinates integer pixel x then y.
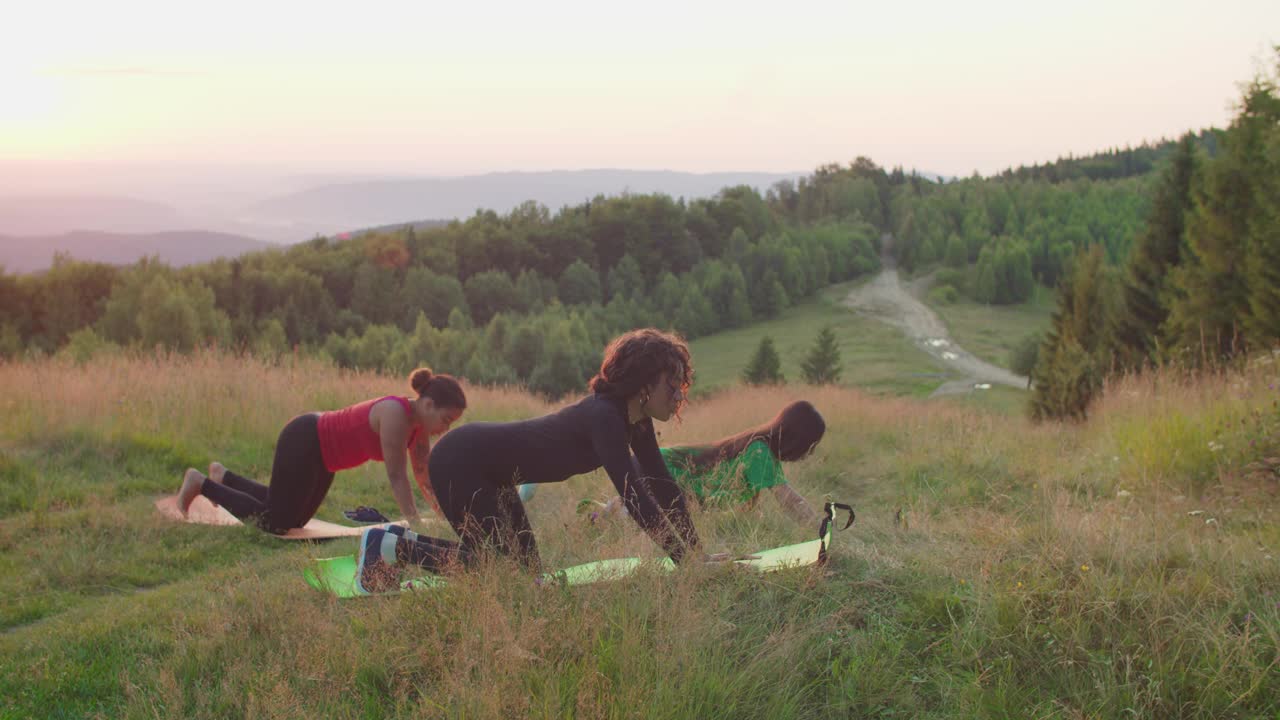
{"type": "Point", "coordinates": [420, 379]}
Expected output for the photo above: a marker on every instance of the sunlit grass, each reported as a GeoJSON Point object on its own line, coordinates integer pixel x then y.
{"type": "Point", "coordinates": [991, 332]}
{"type": "Point", "coordinates": [875, 356]}
{"type": "Point", "coordinates": [1123, 567]}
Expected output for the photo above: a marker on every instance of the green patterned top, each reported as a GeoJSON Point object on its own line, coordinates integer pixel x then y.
{"type": "Point", "coordinates": [737, 480]}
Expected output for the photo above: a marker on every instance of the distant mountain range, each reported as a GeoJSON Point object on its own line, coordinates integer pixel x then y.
{"type": "Point", "coordinates": [52, 214]}
{"type": "Point", "coordinates": [183, 247]}
{"type": "Point", "coordinates": [382, 202]}
{"type": "Point", "coordinates": [132, 222]}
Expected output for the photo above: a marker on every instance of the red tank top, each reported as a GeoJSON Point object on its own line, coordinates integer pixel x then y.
{"type": "Point", "coordinates": [346, 440]}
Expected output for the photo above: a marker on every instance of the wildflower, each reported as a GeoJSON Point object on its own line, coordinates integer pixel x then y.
{"type": "Point", "coordinates": [1124, 494]}
{"type": "Point", "coordinates": [1214, 447]}
{"type": "Point", "coordinates": [1084, 568]}
{"type": "Point", "coordinates": [1020, 585]}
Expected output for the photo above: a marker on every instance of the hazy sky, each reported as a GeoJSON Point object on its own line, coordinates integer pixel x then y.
{"type": "Point", "coordinates": [458, 88]}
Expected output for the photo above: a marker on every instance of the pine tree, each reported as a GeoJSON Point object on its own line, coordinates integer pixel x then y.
{"type": "Point", "coordinates": [1262, 326]}
{"type": "Point", "coordinates": [1068, 372]}
{"type": "Point", "coordinates": [822, 365]}
{"type": "Point", "coordinates": [1263, 323]}
{"type": "Point", "coordinates": [1156, 251]}
{"type": "Point", "coordinates": [1211, 315]}
{"type": "Point", "coordinates": [1066, 382]}
{"type": "Point", "coordinates": [765, 367]}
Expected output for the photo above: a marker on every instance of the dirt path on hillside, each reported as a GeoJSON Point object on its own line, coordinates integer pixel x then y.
{"type": "Point", "coordinates": [885, 299]}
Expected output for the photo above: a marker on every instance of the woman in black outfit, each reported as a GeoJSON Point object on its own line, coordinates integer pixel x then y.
{"type": "Point", "coordinates": [475, 468]}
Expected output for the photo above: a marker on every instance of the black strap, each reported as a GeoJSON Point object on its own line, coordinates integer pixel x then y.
{"type": "Point", "coordinates": [829, 509]}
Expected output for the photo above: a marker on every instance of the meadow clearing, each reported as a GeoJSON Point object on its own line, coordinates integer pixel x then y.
{"type": "Point", "coordinates": [1121, 567]}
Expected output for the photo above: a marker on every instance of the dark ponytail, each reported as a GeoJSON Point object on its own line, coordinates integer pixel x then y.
{"type": "Point", "coordinates": [443, 390]}
{"type": "Point", "coordinates": [791, 435]}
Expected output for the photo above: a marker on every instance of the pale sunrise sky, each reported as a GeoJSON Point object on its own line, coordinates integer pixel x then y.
{"type": "Point", "coordinates": [462, 88]}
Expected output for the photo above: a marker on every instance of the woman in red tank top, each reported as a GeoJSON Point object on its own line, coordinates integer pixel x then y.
{"type": "Point", "coordinates": [394, 430]}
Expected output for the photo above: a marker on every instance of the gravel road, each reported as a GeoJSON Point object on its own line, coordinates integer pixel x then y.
{"type": "Point", "coordinates": [885, 299]}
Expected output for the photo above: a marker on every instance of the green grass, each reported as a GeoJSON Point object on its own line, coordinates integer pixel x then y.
{"type": "Point", "coordinates": [992, 331]}
{"type": "Point", "coordinates": [875, 356]}
{"type": "Point", "coordinates": [996, 569]}
{"type": "Point", "coordinates": [997, 399]}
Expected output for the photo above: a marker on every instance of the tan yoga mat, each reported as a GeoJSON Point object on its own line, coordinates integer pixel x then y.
{"type": "Point", "coordinates": [204, 512]}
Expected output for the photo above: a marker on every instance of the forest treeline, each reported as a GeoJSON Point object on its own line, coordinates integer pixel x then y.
{"type": "Point", "coordinates": [531, 296]}
{"type": "Point", "coordinates": [1200, 285]}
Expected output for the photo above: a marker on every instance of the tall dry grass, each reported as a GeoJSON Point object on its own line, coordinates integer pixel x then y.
{"type": "Point", "coordinates": [1124, 567]}
{"type": "Point", "coordinates": [210, 394]}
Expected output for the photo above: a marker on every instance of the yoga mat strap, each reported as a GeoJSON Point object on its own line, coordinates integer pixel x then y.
{"type": "Point", "coordinates": [824, 532]}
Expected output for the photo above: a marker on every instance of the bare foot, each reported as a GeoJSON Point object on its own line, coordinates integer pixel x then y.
{"type": "Point", "coordinates": [190, 489]}
{"type": "Point", "coordinates": [216, 471]}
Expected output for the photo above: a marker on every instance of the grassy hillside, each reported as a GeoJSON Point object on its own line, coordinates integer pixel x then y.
{"type": "Point", "coordinates": [1122, 568]}
{"type": "Point", "coordinates": [992, 331]}
{"type": "Point", "coordinates": [989, 331]}
{"type": "Point", "coordinates": [876, 356]}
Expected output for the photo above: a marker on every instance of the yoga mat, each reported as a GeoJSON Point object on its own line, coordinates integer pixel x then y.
{"type": "Point", "coordinates": [204, 512]}
{"type": "Point", "coordinates": [337, 575]}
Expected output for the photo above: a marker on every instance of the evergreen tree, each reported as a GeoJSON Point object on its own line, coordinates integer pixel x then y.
{"type": "Point", "coordinates": [765, 367]}
{"type": "Point", "coordinates": [1211, 316]}
{"type": "Point", "coordinates": [822, 365]}
{"type": "Point", "coordinates": [1263, 323]}
{"type": "Point", "coordinates": [1069, 369]}
{"type": "Point", "coordinates": [1262, 326]}
{"type": "Point", "coordinates": [1066, 382]}
{"type": "Point", "coordinates": [1156, 251]}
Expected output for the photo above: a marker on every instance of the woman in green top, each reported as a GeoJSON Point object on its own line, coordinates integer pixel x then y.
{"type": "Point", "coordinates": [734, 470]}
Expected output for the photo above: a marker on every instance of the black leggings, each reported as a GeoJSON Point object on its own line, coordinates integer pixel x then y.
{"type": "Point", "coordinates": [299, 482]}
{"type": "Point", "coordinates": [488, 515]}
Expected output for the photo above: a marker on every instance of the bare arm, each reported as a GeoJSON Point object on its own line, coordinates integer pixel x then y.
{"type": "Point", "coordinates": [794, 505]}
{"type": "Point", "coordinates": [393, 430]}
{"type": "Point", "coordinates": [419, 453]}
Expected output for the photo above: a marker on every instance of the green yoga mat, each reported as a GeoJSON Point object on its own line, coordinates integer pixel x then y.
{"type": "Point", "coordinates": [337, 575]}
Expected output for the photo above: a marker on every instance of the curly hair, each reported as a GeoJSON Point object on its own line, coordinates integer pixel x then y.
{"type": "Point", "coordinates": [635, 360]}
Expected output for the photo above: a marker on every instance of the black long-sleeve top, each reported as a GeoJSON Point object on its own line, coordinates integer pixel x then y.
{"type": "Point", "coordinates": [577, 439]}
